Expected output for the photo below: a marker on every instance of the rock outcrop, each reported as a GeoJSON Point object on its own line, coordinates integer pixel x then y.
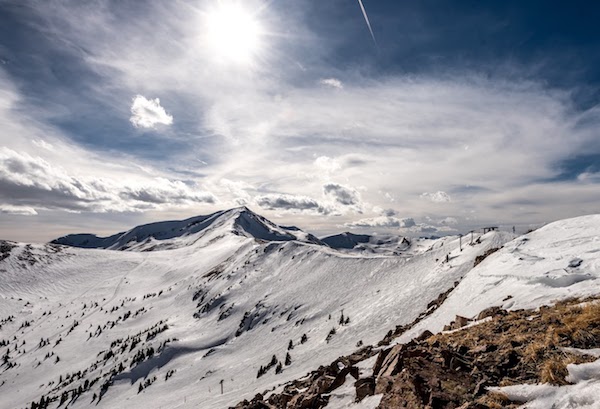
{"type": "Point", "coordinates": [453, 369]}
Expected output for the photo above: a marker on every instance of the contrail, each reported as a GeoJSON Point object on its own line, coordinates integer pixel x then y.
{"type": "Point", "coordinates": [362, 7]}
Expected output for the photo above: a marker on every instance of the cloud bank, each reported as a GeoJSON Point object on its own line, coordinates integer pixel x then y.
{"type": "Point", "coordinates": [28, 182]}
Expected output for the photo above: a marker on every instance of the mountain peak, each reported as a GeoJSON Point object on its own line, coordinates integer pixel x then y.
{"type": "Point", "coordinates": [240, 221]}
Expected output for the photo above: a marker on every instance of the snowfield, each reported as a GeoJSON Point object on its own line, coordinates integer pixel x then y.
{"type": "Point", "coordinates": [186, 312]}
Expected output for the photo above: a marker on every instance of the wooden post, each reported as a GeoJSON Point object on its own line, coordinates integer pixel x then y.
{"type": "Point", "coordinates": [460, 241]}
{"type": "Point", "coordinates": [221, 386]}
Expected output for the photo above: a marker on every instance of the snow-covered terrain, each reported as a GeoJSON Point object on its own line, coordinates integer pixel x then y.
{"type": "Point", "coordinates": [377, 244]}
{"type": "Point", "coordinates": [558, 261]}
{"type": "Point", "coordinates": [195, 308]}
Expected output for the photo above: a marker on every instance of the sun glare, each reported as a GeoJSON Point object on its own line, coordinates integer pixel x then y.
{"type": "Point", "coordinates": [233, 32]}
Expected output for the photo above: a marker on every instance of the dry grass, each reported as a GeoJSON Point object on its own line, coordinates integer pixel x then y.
{"type": "Point", "coordinates": [554, 370]}
{"type": "Point", "coordinates": [537, 337]}
{"type": "Point", "coordinates": [495, 400]}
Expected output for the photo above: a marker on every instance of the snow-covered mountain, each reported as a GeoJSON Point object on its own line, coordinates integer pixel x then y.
{"type": "Point", "coordinates": [377, 244]}
{"type": "Point", "coordinates": [172, 234]}
{"type": "Point", "coordinates": [193, 325]}
{"type": "Point", "coordinates": [346, 240]}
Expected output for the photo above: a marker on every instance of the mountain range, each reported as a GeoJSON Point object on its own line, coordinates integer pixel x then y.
{"type": "Point", "coordinates": [210, 311]}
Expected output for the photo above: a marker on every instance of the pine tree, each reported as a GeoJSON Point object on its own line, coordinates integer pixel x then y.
{"type": "Point", "coordinates": [279, 368]}
{"type": "Point", "coordinates": [63, 398]}
{"type": "Point", "coordinates": [330, 335]}
{"type": "Point", "coordinates": [291, 345]}
{"type": "Point", "coordinates": [288, 359]}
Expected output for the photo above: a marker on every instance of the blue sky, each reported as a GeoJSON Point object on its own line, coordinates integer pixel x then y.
{"type": "Point", "coordinates": [461, 114]}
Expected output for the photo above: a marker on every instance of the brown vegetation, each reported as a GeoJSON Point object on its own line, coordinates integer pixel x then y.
{"type": "Point", "coordinates": [453, 369]}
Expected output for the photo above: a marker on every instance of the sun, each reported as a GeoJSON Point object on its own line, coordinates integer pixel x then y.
{"type": "Point", "coordinates": [233, 32]}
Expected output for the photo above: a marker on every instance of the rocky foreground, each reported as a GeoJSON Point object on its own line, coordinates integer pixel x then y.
{"type": "Point", "coordinates": [456, 368]}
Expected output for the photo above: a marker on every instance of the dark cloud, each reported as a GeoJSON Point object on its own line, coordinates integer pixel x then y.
{"type": "Point", "coordinates": [341, 194]}
{"type": "Point", "coordinates": [27, 181]}
{"type": "Point", "coordinates": [292, 203]}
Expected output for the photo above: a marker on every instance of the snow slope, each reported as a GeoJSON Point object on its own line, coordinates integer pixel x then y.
{"type": "Point", "coordinates": [557, 261]}
{"type": "Point", "coordinates": [230, 301]}
{"type": "Point", "coordinates": [216, 304]}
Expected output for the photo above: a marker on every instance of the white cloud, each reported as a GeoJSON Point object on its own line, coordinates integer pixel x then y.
{"type": "Point", "coordinates": [332, 82]}
{"type": "Point", "coordinates": [239, 190]}
{"type": "Point", "coordinates": [17, 210]}
{"type": "Point", "coordinates": [449, 221]}
{"type": "Point", "coordinates": [437, 197]}
{"type": "Point", "coordinates": [327, 164]}
{"type": "Point", "coordinates": [147, 113]}
{"type": "Point", "coordinates": [382, 222]}
{"type": "Point", "coordinates": [591, 177]}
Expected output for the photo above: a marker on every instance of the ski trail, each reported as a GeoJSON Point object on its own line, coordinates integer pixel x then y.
{"type": "Point", "coordinates": [87, 316]}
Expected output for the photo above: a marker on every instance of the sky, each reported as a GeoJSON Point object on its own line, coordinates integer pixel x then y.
{"type": "Point", "coordinates": [450, 116]}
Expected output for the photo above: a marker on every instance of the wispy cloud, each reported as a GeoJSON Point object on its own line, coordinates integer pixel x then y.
{"type": "Point", "coordinates": [437, 197]}
{"type": "Point", "coordinates": [18, 210]}
{"type": "Point", "coordinates": [332, 82]}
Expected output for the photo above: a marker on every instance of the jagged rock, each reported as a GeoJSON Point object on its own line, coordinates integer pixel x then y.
{"type": "Point", "coordinates": [380, 360]}
{"type": "Point", "coordinates": [364, 387]}
{"type": "Point", "coordinates": [424, 335]}
{"type": "Point", "coordinates": [281, 400]}
{"type": "Point", "coordinates": [490, 312]}
{"type": "Point", "coordinates": [308, 401]}
{"type": "Point", "coordinates": [460, 322]}
{"type": "Point", "coordinates": [482, 257]}
{"type": "Point", "coordinates": [389, 361]}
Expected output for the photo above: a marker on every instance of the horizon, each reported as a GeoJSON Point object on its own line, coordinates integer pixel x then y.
{"type": "Point", "coordinates": [526, 229]}
{"type": "Point", "coordinates": [410, 119]}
